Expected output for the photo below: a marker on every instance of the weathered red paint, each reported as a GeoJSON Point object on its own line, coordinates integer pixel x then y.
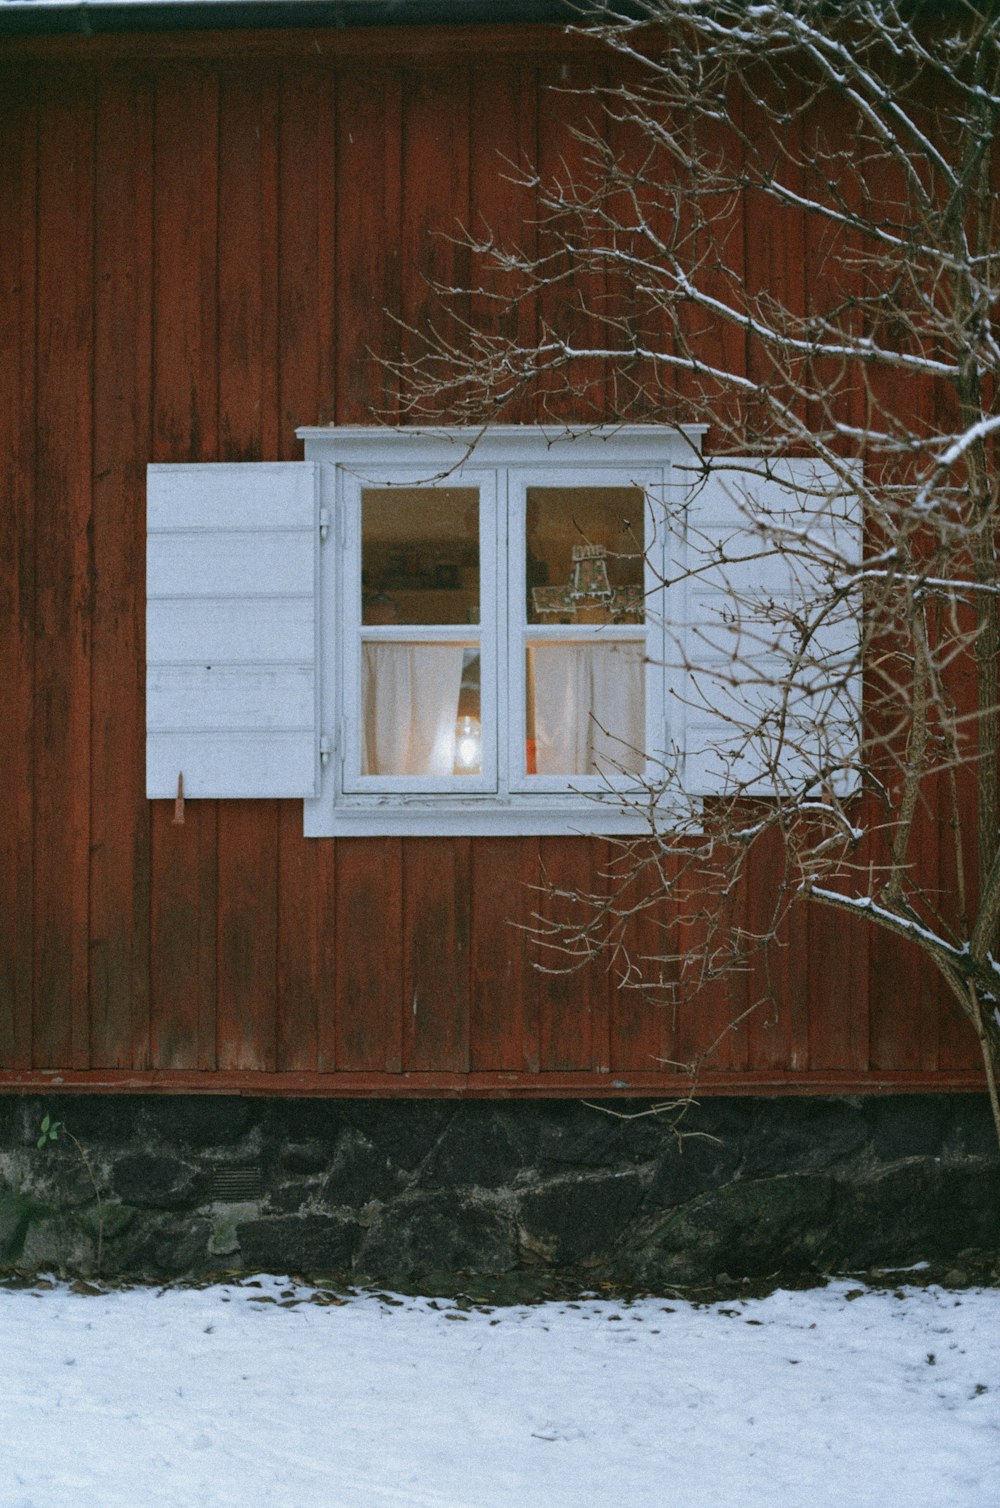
{"type": "Point", "coordinates": [204, 238]}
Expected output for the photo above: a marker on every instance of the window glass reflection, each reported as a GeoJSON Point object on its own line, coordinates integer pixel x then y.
{"type": "Point", "coordinates": [420, 709]}
{"type": "Point", "coordinates": [585, 554]}
{"type": "Point", "coordinates": [419, 555]}
{"type": "Point", "coordinates": [585, 711]}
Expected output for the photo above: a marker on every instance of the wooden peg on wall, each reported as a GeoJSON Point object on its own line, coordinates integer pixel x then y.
{"type": "Point", "coordinates": [179, 801]}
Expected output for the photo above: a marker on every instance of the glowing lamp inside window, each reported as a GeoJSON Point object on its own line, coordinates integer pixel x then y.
{"type": "Point", "coordinates": [468, 746]}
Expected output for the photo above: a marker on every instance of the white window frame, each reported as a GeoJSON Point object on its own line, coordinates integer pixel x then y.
{"type": "Point", "coordinates": [501, 464]}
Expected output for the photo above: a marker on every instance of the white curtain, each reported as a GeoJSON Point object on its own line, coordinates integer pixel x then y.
{"type": "Point", "coordinates": [589, 708]}
{"type": "Point", "coordinates": [409, 705]}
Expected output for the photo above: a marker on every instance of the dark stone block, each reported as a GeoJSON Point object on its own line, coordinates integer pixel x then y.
{"type": "Point", "coordinates": [298, 1243]}
{"type": "Point", "coordinates": [807, 1135]}
{"type": "Point", "coordinates": [907, 1125]}
{"type": "Point", "coordinates": [199, 1121]}
{"type": "Point", "coordinates": [303, 1120]}
{"type": "Point", "coordinates": [406, 1131]}
{"type": "Point", "coordinates": [476, 1149]}
{"type": "Point", "coordinates": [114, 1220]}
{"type": "Point", "coordinates": [306, 1157]}
{"type": "Point", "coordinates": [750, 1229]}
{"type": "Point", "coordinates": [151, 1181]}
{"type": "Point", "coordinates": [560, 1134]}
{"type": "Point", "coordinates": [13, 1120]}
{"type": "Point", "coordinates": [579, 1135]}
{"type": "Point", "coordinates": [971, 1132]}
{"type": "Point", "coordinates": [15, 1213]}
{"type": "Point", "coordinates": [360, 1172]}
{"type": "Point", "coordinates": [691, 1167]}
{"type": "Point", "coordinates": [295, 1197]}
{"type": "Point", "coordinates": [573, 1135]}
{"type": "Point", "coordinates": [919, 1210]}
{"type": "Point", "coordinates": [59, 1177]}
{"type": "Point", "coordinates": [425, 1233]}
{"type": "Point", "coordinates": [162, 1248]}
{"type": "Point", "coordinates": [579, 1219]}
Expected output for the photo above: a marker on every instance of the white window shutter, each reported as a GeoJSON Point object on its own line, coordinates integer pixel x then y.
{"type": "Point", "coordinates": [232, 630]}
{"type": "Point", "coordinates": [759, 708]}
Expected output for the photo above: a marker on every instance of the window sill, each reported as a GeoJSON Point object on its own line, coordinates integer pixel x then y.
{"type": "Point", "coordinates": [415, 817]}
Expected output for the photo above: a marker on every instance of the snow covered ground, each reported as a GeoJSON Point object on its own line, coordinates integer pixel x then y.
{"type": "Point", "coordinates": [272, 1393]}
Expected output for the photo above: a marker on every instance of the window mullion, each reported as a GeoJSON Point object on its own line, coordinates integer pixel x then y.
{"type": "Point", "coordinates": [501, 643]}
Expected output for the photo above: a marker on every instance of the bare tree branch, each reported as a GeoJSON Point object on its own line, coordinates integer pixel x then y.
{"type": "Point", "coordinates": [867, 134]}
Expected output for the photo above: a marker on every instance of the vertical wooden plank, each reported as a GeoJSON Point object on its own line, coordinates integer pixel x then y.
{"type": "Point", "coordinates": [704, 1014]}
{"type": "Point", "coordinates": [604, 981]}
{"type": "Point", "coordinates": [434, 171]}
{"type": "Point", "coordinates": [247, 272]}
{"type": "Point", "coordinates": [325, 317]}
{"type": "Point", "coordinates": [18, 209]}
{"type": "Point", "coordinates": [369, 963]}
{"type": "Point", "coordinates": [790, 971]}
{"type": "Point", "coordinates": [64, 565]}
{"type": "Point", "coordinates": [768, 1027]}
{"type": "Point", "coordinates": [267, 91]}
{"type": "Point", "coordinates": [958, 882]}
{"type": "Point", "coordinates": [119, 885]}
{"type": "Point", "coordinates": [306, 947]}
{"type": "Point", "coordinates": [504, 985]}
{"type": "Point", "coordinates": [502, 138]}
{"type": "Point", "coordinates": [184, 428]}
{"type": "Point", "coordinates": [369, 197]}
{"type": "Point", "coordinates": [644, 979]}
{"type": "Point", "coordinates": [568, 1001]}
{"type": "Point", "coordinates": [246, 1025]}
{"type": "Point", "coordinates": [436, 917]}
{"type": "Point", "coordinates": [183, 937]}
{"type": "Point", "coordinates": [904, 1006]}
{"type": "Point", "coordinates": [246, 1006]}
{"type": "Point", "coordinates": [503, 1004]}
{"type": "Point", "coordinates": [573, 303]}
{"type": "Point", "coordinates": [306, 168]}
{"type": "Point", "coordinates": [711, 229]}
{"type": "Point", "coordinates": [435, 201]}
{"type": "Point", "coordinates": [839, 985]}
{"type": "Point", "coordinates": [773, 241]}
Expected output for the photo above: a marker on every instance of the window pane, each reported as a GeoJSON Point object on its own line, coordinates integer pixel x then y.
{"type": "Point", "coordinates": [420, 555]}
{"type": "Point", "coordinates": [420, 709]}
{"type": "Point", "coordinates": [585, 709]}
{"type": "Point", "coordinates": [585, 552]}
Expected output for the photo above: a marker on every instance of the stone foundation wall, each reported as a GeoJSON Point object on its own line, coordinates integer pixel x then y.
{"type": "Point", "coordinates": [430, 1191]}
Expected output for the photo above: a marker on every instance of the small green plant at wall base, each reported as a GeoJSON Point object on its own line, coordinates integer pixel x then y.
{"type": "Point", "coordinates": [51, 1131]}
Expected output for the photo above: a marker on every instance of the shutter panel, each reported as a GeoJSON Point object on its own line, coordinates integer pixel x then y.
{"type": "Point", "coordinates": [232, 630]}
{"type": "Point", "coordinates": [735, 646]}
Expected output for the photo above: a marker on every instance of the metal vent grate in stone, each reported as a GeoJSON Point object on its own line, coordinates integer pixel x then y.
{"type": "Point", "coordinates": [236, 1185]}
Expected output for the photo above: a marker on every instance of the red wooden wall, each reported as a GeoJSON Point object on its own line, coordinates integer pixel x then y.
{"type": "Point", "coordinates": [198, 238]}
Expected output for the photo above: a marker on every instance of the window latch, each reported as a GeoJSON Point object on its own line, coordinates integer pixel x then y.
{"type": "Point", "coordinates": [324, 522]}
{"type": "Point", "coordinates": [325, 749]}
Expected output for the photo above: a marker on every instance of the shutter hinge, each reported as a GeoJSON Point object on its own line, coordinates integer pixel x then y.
{"type": "Point", "coordinates": [324, 522]}
{"type": "Point", "coordinates": [325, 748]}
